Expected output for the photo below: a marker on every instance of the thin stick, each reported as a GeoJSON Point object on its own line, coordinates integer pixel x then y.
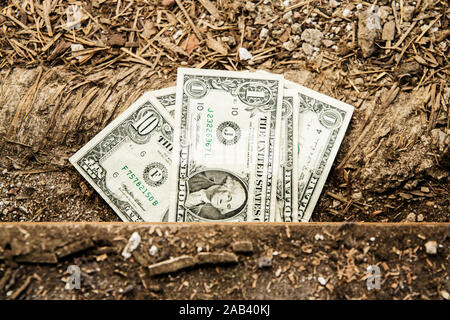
{"type": "Point", "coordinates": [139, 58]}
{"type": "Point", "coordinates": [427, 28]}
{"type": "Point", "coordinates": [47, 7]}
{"type": "Point", "coordinates": [196, 31]}
{"type": "Point", "coordinates": [399, 42]}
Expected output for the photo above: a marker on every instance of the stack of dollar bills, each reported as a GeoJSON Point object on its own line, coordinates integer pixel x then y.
{"type": "Point", "coordinates": [220, 146]}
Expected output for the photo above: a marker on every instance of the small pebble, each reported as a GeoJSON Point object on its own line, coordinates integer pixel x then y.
{"type": "Point", "coordinates": [359, 81]}
{"type": "Point", "coordinates": [328, 43]}
{"type": "Point", "coordinates": [278, 272]}
{"type": "Point", "coordinates": [307, 49]}
{"type": "Point", "coordinates": [388, 33]}
{"type": "Point", "coordinates": [431, 247]}
{"type": "Point", "coordinates": [411, 217]}
{"type": "Point", "coordinates": [444, 294]}
{"type": "Point", "coordinates": [153, 250]}
{"type": "Point", "coordinates": [264, 33]}
{"type": "Point", "coordinates": [312, 36]}
{"type": "Point", "coordinates": [408, 12]}
{"type": "Point", "coordinates": [132, 244]}
{"type": "Point", "coordinates": [289, 45]}
{"type": "Point", "coordinates": [318, 237]}
{"type": "Point", "coordinates": [334, 3]}
{"type": "Point", "coordinates": [296, 28]}
{"type": "Point", "coordinates": [167, 3]}
{"type": "Point", "coordinates": [287, 16]}
{"type": "Point", "coordinates": [244, 54]}
{"type": "Point", "coordinates": [346, 13]}
{"type": "Point", "coordinates": [264, 262]}
{"type": "Point", "coordinates": [77, 47]}
{"type": "Point", "coordinates": [250, 6]}
{"type": "Point", "coordinates": [322, 281]}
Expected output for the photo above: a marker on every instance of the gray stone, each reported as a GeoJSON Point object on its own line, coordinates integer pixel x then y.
{"type": "Point", "coordinates": [312, 36]}
{"type": "Point", "coordinates": [334, 3]}
{"type": "Point", "coordinates": [388, 31]}
{"type": "Point", "coordinates": [264, 262]}
{"type": "Point", "coordinates": [369, 29]}
{"type": "Point", "coordinates": [307, 49]}
{"type": "Point", "coordinates": [411, 217]}
{"type": "Point", "coordinates": [408, 12]}
{"type": "Point", "coordinates": [431, 247]}
{"type": "Point", "coordinates": [296, 28]}
{"type": "Point", "coordinates": [289, 45]}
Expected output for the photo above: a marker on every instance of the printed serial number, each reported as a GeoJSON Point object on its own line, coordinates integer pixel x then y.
{"type": "Point", "coordinates": [141, 186]}
{"type": "Point", "coordinates": [209, 132]}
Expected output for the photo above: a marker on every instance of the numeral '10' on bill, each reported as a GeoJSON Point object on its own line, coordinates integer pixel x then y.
{"type": "Point", "coordinates": [128, 162]}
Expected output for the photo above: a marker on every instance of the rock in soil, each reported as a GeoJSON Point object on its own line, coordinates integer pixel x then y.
{"type": "Point", "coordinates": [431, 247]}
{"type": "Point", "coordinates": [368, 30]}
{"type": "Point", "coordinates": [242, 247]}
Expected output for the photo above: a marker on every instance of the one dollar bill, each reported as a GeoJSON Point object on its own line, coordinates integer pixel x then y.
{"type": "Point", "coordinates": [226, 146]}
{"type": "Point", "coordinates": [287, 175]}
{"type": "Point", "coordinates": [166, 97]}
{"type": "Point", "coordinates": [128, 162]}
{"type": "Point", "coordinates": [322, 122]}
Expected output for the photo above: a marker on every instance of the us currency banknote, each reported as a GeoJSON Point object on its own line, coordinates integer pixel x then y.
{"type": "Point", "coordinates": [287, 175]}
{"type": "Point", "coordinates": [128, 162]}
{"type": "Point", "coordinates": [322, 122]}
{"type": "Point", "coordinates": [166, 97]}
{"type": "Point", "coordinates": [226, 146]}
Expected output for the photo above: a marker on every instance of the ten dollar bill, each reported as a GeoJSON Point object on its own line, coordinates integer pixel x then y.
{"type": "Point", "coordinates": [128, 162]}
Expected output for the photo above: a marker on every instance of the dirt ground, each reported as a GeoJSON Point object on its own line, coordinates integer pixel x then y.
{"type": "Point", "coordinates": [393, 164]}
{"type": "Point", "coordinates": [60, 85]}
{"type": "Point", "coordinates": [285, 261]}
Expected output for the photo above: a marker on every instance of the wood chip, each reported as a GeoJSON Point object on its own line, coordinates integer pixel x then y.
{"type": "Point", "coordinates": [216, 46]}
{"type": "Point", "coordinates": [242, 246]}
{"type": "Point", "coordinates": [21, 289]}
{"type": "Point", "coordinates": [190, 44]}
{"type": "Point", "coordinates": [171, 47]}
{"type": "Point", "coordinates": [74, 247]}
{"type": "Point", "coordinates": [215, 258]}
{"type": "Point", "coordinates": [388, 31]}
{"type": "Point", "coordinates": [192, 24]}
{"type": "Point", "coordinates": [40, 257]}
{"type": "Point", "coordinates": [211, 8]}
{"type": "Point", "coordinates": [171, 265]}
{"type": "Point", "coordinates": [116, 39]}
{"type": "Point", "coordinates": [186, 261]}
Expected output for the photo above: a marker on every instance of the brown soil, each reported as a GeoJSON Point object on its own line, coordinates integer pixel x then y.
{"type": "Point", "coordinates": [34, 259]}
{"type": "Point", "coordinates": [392, 164]}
